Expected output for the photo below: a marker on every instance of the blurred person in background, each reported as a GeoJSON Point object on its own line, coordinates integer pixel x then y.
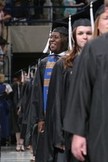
{"type": "Point", "coordinates": [5, 93]}
{"type": "Point", "coordinates": [5, 16]}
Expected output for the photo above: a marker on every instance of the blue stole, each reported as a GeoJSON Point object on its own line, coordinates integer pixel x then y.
{"type": "Point", "coordinates": [47, 75]}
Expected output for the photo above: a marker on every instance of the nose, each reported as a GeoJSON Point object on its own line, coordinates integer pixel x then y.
{"type": "Point", "coordinates": [84, 36]}
{"type": "Point", "coordinates": [51, 39]}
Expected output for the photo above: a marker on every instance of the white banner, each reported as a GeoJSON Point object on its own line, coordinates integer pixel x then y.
{"type": "Point", "coordinates": [29, 38]}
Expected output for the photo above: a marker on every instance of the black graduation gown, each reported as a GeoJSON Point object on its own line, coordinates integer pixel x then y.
{"type": "Point", "coordinates": [28, 113]}
{"type": "Point", "coordinates": [21, 103]}
{"type": "Point", "coordinates": [25, 106]}
{"type": "Point", "coordinates": [87, 111]}
{"type": "Point", "coordinates": [15, 100]}
{"type": "Point", "coordinates": [36, 111]}
{"type": "Point", "coordinates": [42, 153]}
{"type": "Point", "coordinates": [32, 114]}
{"type": "Point", "coordinates": [26, 120]}
{"type": "Point", "coordinates": [26, 98]}
{"type": "Point", "coordinates": [37, 92]}
{"type": "Point", "coordinates": [56, 107]}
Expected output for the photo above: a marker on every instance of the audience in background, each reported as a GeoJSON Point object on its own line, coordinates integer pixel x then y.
{"type": "Point", "coordinates": [4, 17]}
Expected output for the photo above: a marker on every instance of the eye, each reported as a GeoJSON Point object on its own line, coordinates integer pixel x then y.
{"type": "Point", "coordinates": [54, 37]}
{"type": "Point", "coordinates": [89, 33]}
{"type": "Point", "coordinates": [105, 18]}
{"type": "Point", "coordinates": [80, 33]}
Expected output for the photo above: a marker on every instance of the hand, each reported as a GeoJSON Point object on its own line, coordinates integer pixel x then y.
{"type": "Point", "coordinates": [79, 147]}
{"type": "Point", "coordinates": [41, 126]}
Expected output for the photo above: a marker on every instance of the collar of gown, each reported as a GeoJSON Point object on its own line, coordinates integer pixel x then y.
{"type": "Point", "coordinates": [60, 54]}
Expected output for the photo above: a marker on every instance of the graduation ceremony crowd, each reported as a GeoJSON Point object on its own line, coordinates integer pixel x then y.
{"type": "Point", "coordinates": [59, 108]}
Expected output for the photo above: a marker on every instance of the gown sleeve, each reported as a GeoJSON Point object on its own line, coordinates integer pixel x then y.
{"type": "Point", "coordinates": [37, 92]}
{"type": "Point", "coordinates": [58, 104]}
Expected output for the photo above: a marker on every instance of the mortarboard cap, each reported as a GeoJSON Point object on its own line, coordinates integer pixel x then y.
{"type": "Point", "coordinates": [100, 10]}
{"type": "Point", "coordinates": [81, 16]}
{"type": "Point", "coordinates": [84, 13]}
{"type": "Point", "coordinates": [61, 30]}
{"type": "Point", "coordinates": [59, 23]}
{"type": "Point", "coordinates": [96, 5]}
{"type": "Point", "coordinates": [81, 22]}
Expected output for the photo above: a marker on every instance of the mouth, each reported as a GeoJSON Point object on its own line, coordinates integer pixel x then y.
{"type": "Point", "coordinates": [52, 45]}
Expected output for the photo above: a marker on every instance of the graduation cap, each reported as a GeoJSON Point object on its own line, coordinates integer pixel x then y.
{"type": "Point", "coordinates": [61, 30]}
{"type": "Point", "coordinates": [100, 10]}
{"type": "Point", "coordinates": [81, 22]}
{"type": "Point", "coordinates": [83, 14]}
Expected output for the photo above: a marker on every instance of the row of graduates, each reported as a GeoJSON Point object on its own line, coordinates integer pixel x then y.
{"type": "Point", "coordinates": [21, 102]}
{"type": "Point", "coordinates": [14, 107]}
{"type": "Point", "coordinates": [56, 78]}
{"type": "Point", "coordinates": [48, 118]}
{"type": "Point", "coordinates": [21, 87]}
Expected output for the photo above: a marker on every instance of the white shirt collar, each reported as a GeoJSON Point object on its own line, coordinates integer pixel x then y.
{"type": "Point", "coordinates": [60, 54]}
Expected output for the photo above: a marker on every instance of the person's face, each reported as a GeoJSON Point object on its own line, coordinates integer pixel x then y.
{"type": "Point", "coordinates": [103, 23]}
{"type": "Point", "coordinates": [83, 34]}
{"type": "Point", "coordinates": [55, 42]}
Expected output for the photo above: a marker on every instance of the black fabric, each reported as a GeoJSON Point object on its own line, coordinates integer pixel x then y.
{"type": "Point", "coordinates": [61, 30]}
{"type": "Point", "coordinates": [81, 22]}
{"type": "Point", "coordinates": [15, 100]}
{"type": "Point", "coordinates": [37, 96]}
{"type": "Point", "coordinates": [42, 153]}
{"type": "Point", "coordinates": [100, 10]}
{"type": "Point", "coordinates": [87, 104]}
{"type": "Point", "coordinates": [82, 14]}
{"type": "Point", "coordinates": [35, 139]}
{"type": "Point", "coordinates": [56, 107]}
{"type": "Point", "coordinates": [37, 113]}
